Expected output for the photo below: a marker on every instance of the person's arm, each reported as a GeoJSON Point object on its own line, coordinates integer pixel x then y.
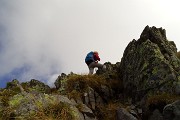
{"type": "Point", "coordinates": [96, 58]}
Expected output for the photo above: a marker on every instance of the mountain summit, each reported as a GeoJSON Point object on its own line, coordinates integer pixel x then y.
{"type": "Point", "coordinates": [150, 64]}
{"type": "Point", "coordinates": [144, 85]}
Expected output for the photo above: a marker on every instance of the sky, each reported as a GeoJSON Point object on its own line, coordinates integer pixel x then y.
{"type": "Point", "coordinates": [40, 39]}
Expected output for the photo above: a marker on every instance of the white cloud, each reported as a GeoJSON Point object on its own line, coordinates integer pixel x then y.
{"type": "Point", "coordinates": [54, 36]}
{"type": "Point", "coordinates": [52, 79]}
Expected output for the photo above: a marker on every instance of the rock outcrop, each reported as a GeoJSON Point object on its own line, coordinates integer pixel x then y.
{"type": "Point", "coordinates": [150, 64]}
{"type": "Point", "coordinates": [172, 111]}
{"type": "Point", "coordinates": [36, 85]}
{"type": "Point", "coordinates": [35, 103]}
{"type": "Point", "coordinates": [145, 85]}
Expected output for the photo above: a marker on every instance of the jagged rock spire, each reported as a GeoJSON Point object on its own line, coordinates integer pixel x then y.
{"type": "Point", "coordinates": [150, 63]}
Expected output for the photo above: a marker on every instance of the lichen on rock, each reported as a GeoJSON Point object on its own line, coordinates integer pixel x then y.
{"type": "Point", "coordinates": [150, 64]}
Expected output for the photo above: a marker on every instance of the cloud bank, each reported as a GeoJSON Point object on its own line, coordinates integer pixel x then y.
{"type": "Point", "coordinates": [40, 39]}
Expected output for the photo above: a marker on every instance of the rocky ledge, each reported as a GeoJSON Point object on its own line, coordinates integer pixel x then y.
{"type": "Point", "coordinates": [144, 85]}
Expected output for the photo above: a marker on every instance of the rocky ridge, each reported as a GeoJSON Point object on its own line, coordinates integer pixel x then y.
{"type": "Point", "coordinates": [144, 85]}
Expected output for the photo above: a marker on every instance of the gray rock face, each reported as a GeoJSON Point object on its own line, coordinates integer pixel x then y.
{"type": "Point", "coordinates": [58, 82]}
{"type": "Point", "coordinates": [29, 104]}
{"type": "Point", "coordinates": [156, 115]}
{"type": "Point", "coordinates": [150, 63]}
{"type": "Point", "coordinates": [111, 70]}
{"type": "Point", "coordinates": [122, 114]}
{"type": "Point", "coordinates": [172, 111]}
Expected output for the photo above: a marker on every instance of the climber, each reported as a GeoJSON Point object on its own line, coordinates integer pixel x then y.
{"type": "Point", "coordinates": [91, 60]}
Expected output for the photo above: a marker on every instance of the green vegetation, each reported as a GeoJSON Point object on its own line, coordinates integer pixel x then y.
{"type": "Point", "coordinates": [37, 105]}
{"type": "Point", "coordinates": [45, 107]}
{"type": "Point", "coordinates": [5, 95]}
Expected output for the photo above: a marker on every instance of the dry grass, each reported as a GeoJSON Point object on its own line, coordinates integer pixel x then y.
{"type": "Point", "coordinates": [81, 82]}
{"type": "Point", "coordinates": [160, 101]}
{"type": "Point", "coordinates": [108, 112]}
{"type": "Point", "coordinates": [162, 98]}
{"type": "Point", "coordinates": [54, 112]}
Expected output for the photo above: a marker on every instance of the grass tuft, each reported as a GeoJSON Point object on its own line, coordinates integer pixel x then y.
{"type": "Point", "coordinates": [159, 101]}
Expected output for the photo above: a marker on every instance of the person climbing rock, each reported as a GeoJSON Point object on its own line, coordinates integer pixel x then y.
{"type": "Point", "coordinates": [91, 60]}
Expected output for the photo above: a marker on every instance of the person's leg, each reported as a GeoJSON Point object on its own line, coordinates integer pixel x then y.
{"type": "Point", "coordinates": [93, 65]}
{"type": "Point", "coordinates": [91, 70]}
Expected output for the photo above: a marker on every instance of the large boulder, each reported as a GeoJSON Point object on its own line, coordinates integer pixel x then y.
{"type": "Point", "coordinates": [123, 114]}
{"type": "Point", "coordinates": [172, 111]}
{"type": "Point", "coordinates": [110, 71]}
{"type": "Point", "coordinates": [150, 64]}
{"type": "Point", "coordinates": [36, 105]}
